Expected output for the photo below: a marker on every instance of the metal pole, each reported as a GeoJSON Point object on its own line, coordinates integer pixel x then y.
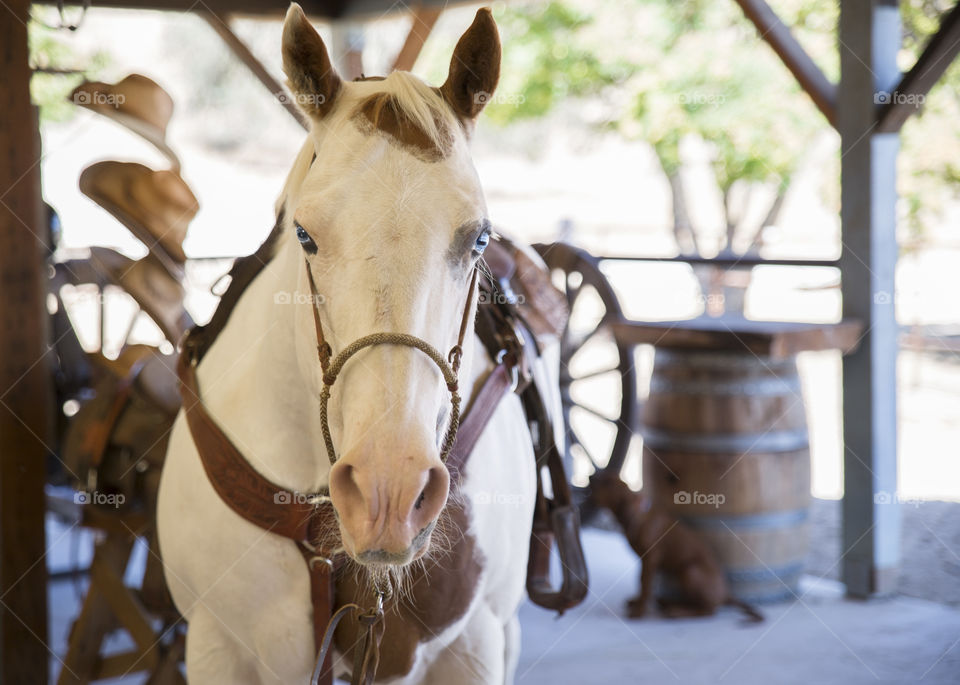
{"type": "Point", "coordinates": [869, 39]}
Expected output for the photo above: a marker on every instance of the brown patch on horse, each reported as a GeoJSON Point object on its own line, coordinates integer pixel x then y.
{"type": "Point", "coordinates": [382, 112]}
{"type": "Point", "coordinates": [440, 593]}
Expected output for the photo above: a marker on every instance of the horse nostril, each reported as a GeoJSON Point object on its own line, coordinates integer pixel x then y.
{"type": "Point", "coordinates": [419, 502]}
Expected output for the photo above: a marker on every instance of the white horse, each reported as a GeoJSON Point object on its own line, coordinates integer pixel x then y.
{"type": "Point", "coordinates": [384, 206]}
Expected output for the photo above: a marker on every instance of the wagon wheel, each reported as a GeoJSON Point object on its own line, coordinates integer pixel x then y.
{"type": "Point", "coordinates": [598, 382]}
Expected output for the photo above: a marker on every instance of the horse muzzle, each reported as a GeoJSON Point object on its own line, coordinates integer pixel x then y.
{"type": "Point", "coordinates": [387, 511]}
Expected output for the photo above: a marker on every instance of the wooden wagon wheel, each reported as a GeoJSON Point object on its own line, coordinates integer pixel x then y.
{"type": "Point", "coordinates": [598, 381]}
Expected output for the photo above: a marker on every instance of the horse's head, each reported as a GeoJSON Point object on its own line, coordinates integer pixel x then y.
{"type": "Point", "coordinates": [392, 221]}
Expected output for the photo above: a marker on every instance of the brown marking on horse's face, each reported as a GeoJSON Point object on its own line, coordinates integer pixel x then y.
{"type": "Point", "coordinates": [380, 112]}
{"type": "Point", "coordinates": [440, 594]}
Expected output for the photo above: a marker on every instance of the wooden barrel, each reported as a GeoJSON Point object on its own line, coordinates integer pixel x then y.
{"type": "Point", "coordinates": [726, 450]}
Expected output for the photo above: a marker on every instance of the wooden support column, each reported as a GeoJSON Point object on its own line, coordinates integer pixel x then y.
{"type": "Point", "coordinates": [25, 392]}
{"type": "Point", "coordinates": [869, 39]}
{"type": "Point", "coordinates": [424, 19]}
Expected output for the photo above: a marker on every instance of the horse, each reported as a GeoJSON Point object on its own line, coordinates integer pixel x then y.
{"type": "Point", "coordinates": [383, 215]}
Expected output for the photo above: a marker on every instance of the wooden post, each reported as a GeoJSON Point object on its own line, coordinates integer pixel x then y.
{"type": "Point", "coordinates": [25, 392]}
{"type": "Point", "coordinates": [869, 40]}
{"type": "Point", "coordinates": [424, 19]}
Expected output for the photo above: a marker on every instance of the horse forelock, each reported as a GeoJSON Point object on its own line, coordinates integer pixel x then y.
{"type": "Point", "coordinates": [411, 114]}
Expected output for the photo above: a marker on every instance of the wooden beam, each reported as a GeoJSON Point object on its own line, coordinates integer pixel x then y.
{"type": "Point", "coordinates": [869, 39]}
{"type": "Point", "coordinates": [821, 90]}
{"type": "Point", "coordinates": [908, 96]}
{"type": "Point", "coordinates": [424, 19]}
{"type": "Point", "coordinates": [220, 24]}
{"type": "Point", "coordinates": [25, 374]}
{"type": "Point", "coordinates": [329, 9]}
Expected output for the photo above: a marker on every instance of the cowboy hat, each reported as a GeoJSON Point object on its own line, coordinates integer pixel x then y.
{"type": "Point", "coordinates": [157, 206]}
{"type": "Point", "coordinates": [150, 285]}
{"type": "Point", "coordinates": [135, 102]}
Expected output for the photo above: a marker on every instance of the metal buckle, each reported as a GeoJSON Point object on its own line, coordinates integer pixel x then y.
{"type": "Point", "coordinates": [514, 370]}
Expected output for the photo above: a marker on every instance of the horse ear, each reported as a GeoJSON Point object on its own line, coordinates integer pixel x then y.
{"type": "Point", "coordinates": [474, 68]}
{"type": "Point", "coordinates": [310, 73]}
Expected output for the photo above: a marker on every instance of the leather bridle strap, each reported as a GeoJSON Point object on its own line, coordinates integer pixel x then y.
{"type": "Point", "coordinates": [495, 386]}
{"type": "Point", "coordinates": [449, 367]}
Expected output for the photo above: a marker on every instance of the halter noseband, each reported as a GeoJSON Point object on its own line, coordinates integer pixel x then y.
{"type": "Point", "coordinates": [332, 365]}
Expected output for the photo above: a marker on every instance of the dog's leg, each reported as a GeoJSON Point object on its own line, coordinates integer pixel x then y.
{"type": "Point", "coordinates": [641, 605]}
{"type": "Point", "coordinates": [681, 610]}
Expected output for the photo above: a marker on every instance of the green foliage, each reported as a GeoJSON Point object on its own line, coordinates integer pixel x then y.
{"type": "Point", "coordinates": [670, 68]}
{"type": "Point", "coordinates": [545, 61]}
{"type": "Point", "coordinates": [672, 82]}
{"type": "Point", "coordinates": [930, 172]}
{"type": "Point", "coordinates": [50, 92]}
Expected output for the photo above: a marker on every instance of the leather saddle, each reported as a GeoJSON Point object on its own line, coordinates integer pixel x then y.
{"type": "Point", "coordinates": [520, 312]}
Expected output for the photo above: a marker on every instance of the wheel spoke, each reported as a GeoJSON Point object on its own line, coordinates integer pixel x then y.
{"type": "Point", "coordinates": [577, 441]}
{"type": "Point", "coordinates": [579, 269]}
{"type": "Point", "coordinates": [572, 294]}
{"type": "Point", "coordinates": [595, 412]}
{"type": "Point", "coordinates": [574, 345]}
{"type": "Point", "coordinates": [594, 374]}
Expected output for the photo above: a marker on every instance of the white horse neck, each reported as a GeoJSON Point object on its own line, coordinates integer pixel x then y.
{"type": "Point", "coordinates": [252, 386]}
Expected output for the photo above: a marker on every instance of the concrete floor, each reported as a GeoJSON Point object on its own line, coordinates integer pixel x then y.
{"type": "Point", "coordinates": [819, 638]}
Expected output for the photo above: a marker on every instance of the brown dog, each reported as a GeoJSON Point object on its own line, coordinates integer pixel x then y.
{"type": "Point", "coordinates": [665, 544]}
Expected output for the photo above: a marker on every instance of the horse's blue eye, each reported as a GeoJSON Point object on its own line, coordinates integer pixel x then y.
{"type": "Point", "coordinates": [482, 241]}
{"type": "Point", "coordinates": [305, 240]}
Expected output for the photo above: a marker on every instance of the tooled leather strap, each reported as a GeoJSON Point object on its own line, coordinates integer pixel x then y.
{"type": "Point", "coordinates": [258, 500]}
{"type": "Point", "coordinates": [239, 485]}
{"type": "Point", "coordinates": [497, 385]}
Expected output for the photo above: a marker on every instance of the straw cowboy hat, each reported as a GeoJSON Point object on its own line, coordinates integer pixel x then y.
{"type": "Point", "coordinates": [157, 206]}
{"type": "Point", "coordinates": [135, 102]}
{"type": "Point", "coordinates": [150, 285]}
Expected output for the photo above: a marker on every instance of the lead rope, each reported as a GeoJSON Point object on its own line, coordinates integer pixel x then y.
{"type": "Point", "coordinates": [449, 367]}
{"type": "Point", "coordinates": [367, 658]}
